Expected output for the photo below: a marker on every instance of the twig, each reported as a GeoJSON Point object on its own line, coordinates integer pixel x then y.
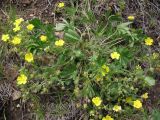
{"type": "Point", "coordinates": [49, 2]}
{"type": "Point", "coordinates": [5, 13]}
{"type": "Point", "coordinates": [4, 115]}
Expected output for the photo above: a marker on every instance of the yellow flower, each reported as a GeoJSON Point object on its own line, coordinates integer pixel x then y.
{"type": "Point", "coordinates": [30, 27]}
{"type": "Point", "coordinates": [22, 79]}
{"type": "Point", "coordinates": [97, 101]}
{"type": "Point", "coordinates": [107, 118]}
{"type": "Point", "coordinates": [144, 96]}
{"type": "Point", "coordinates": [131, 17]}
{"type": "Point", "coordinates": [59, 43]}
{"type": "Point", "coordinates": [16, 28]}
{"type": "Point", "coordinates": [43, 38]}
{"type": "Point", "coordinates": [148, 41]}
{"type": "Point", "coordinates": [16, 40]}
{"type": "Point", "coordinates": [137, 104]}
{"type": "Point", "coordinates": [105, 70]}
{"type": "Point", "coordinates": [29, 57]}
{"type": "Point", "coordinates": [5, 37]}
{"type": "Point", "coordinates": [128, 99]}
{"type": "Point", "coordinates": [104, 118]}
{"type": "Point", "coordinates": [18, 21]}
{"type": "Point", "coordinates": [115, 55]}
{"type": "Point", "coordinates": [117, 108]}
{"type": "Point", "coordinates": [61, 4]}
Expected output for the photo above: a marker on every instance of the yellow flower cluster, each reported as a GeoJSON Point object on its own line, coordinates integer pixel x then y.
{"type": "Point", "coordinates": [15, 40]}
{"type": "Point", "coordinates": [22, 79]}
{"type": "Point", "coordinates": [97, 101]}
{"type": "Point", "coordinates": [115, 55]}
{"type": "Point", "coordinates": [107, 118]}
{"type": "Point", "coordinates": [58, 43]}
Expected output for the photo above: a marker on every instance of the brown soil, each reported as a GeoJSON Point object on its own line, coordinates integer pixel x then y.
{"type": "Point", "coordinates": [28, 9]}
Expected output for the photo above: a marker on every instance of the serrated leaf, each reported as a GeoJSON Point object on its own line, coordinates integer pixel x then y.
{"type": "Point", "coordinates": [123, 28]}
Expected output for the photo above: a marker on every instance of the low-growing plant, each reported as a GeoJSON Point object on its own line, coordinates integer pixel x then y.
{"type": "Point", "coordinates": [98, 58]}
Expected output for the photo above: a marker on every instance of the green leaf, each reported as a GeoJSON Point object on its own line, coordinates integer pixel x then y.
{"type": "Point", "coordinates": [68, 70]}
{"type": "Point", "coordinates": [88, 89]}
{"type": "Point", "coordinates": [115, 18]}
{"type": "Point", "coordinates": [124, 25]}
{"type": "Point", "coordinates": [101, 29]}
{"type": "Point", "coordinates": [123, 28]}
{"type": "Point", "coordinates": [71, 11]}
{"type": "Point", "coordinates": [36, 22]}
{"type": "Point", "coordinates": [91, 16]}
{"type": "Point", "coordinates": [149, 80]}
{"type": "Point", "coordinates": [72, 35]}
